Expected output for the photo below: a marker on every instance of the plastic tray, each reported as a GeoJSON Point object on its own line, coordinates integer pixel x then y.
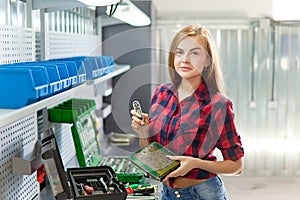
{"type": "Point", "coordinates": [55, 84]}
{"type": "Point", "coordinates": [95, 66]}
{"type": "Point", "coordinates": [92, 176]}
{"type": "Point", "coordinates": [63, 74]}
{"type": "Point", "coordinates": [70, 110]}
{"type": "Point", "coordinates": [22, 86]}
{"type": "Point", "coordinates": [71, 68]}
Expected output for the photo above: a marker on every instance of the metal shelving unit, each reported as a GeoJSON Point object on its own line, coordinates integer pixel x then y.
{"type": "Point", "coordinates": [8, 116]}
{"type": "Point", "coordinates": [19, 134]}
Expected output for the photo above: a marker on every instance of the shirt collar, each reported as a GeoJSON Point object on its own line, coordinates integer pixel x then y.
{"type": "Point", "coordinates": [201, 93]}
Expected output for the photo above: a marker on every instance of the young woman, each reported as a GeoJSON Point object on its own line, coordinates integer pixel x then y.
{"type": "Point", "coordinates": [191, 117]}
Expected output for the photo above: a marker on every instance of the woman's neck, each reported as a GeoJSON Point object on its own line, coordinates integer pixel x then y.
{"type": "Point", "coordinates": [186, 88]}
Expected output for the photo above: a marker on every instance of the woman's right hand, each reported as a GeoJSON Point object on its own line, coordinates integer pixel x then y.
{"type": "Point", "coordinates": [140, 126]}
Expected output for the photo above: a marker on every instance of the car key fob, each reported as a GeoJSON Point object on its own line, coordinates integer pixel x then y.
{"type": "Point", "coordinates": [138, 109]}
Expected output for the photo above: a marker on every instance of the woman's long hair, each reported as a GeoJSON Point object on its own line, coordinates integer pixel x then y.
{"type": "Point", "coordinates": [211, 74]}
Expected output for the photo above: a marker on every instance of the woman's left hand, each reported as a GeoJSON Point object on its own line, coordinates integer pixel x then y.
{"type": "Point", "coordinates": [186, 165]}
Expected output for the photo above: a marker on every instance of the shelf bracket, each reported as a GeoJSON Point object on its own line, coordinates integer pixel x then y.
{"type": "Point", "coordinates": [27, 162]}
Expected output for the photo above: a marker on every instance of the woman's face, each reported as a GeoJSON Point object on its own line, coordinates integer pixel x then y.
{"type": "Point", "coordinates": [190, 58]}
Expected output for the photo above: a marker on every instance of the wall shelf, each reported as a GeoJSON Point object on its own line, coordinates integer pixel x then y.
{"type": "Point", "coordinates": [8, 116]}
{"type": "Point", "coordinates": [119, 69]}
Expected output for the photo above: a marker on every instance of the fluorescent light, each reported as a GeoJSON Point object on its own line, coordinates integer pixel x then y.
{"type": "Point", "coordinates": [99, 2]}
{"type": "Point", "coordinates": [129, 13]}
{"type": "Point", "coordinates": [286, 10]}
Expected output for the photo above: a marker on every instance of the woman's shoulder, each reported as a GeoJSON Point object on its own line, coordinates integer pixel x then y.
{"type": "Point", "coordinates": [220, 99]}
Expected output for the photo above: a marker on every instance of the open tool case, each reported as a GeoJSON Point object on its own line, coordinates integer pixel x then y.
{"type": "Point", "coordinates": [97, 183]}
{"type": "Point", "coordinates": [78, 112]}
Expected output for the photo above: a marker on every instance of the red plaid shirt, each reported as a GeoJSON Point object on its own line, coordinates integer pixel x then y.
{"type": "Point", "coordinates": [195, 126]}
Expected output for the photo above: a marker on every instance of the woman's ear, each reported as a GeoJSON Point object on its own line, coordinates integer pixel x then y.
{"type": "Point", "coordinates": [207, 63]}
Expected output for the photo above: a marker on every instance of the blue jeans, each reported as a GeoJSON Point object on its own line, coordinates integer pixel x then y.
{"type": "Point", "coordinates": [211, 189]}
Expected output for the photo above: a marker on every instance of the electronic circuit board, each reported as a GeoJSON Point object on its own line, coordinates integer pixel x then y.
{"type": "Point", "coordinates": [126, 171]}
{"type": "Point", "coordinates": [152, 159]}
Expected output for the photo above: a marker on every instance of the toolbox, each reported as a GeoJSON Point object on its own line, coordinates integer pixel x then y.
{"type": "Point", "coordinates": [97, 183]}
{"type": "Point", "coordinates": [79, 112]}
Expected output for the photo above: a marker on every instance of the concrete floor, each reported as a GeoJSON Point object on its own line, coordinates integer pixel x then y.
{"type": "Point", "coordinates": [262, 188]}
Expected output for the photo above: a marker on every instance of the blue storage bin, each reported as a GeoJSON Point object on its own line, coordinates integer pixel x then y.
{"type": "Point", "coordinates": [71, 68]}
{"type": "Point", "coordinates": [22, 86]}
{"type": "Point", "coordinates": [63, 74]}
{"type": "Point", "coordinates": [80, 70]}
{"type": "Point", "coordinates": [40, 77]}
{"type": "Point", "coordinates": [66, 74]}
{"type": "Point", "coordinates": [100, 66]}
{"type": "Point", "coordinates": [78, 61]}
{"type": "Point", "coordinates": [94, 66]}
{"type": "Point", "coordinates": [108, 64]}
{"type": "Point", "coordinates": [73, 72]}
{"type": "Point", "coordinates": [55, 84]}
{"type": "Point", "coordinates": [91, 65]}
{"type": "Point", "coordinates": [91, 68]}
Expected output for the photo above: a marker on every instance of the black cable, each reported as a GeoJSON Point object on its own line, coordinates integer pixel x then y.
{"type": "Point", "coordinates": [112, 11]}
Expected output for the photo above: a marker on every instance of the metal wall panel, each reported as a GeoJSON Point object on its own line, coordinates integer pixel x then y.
{"type": "Point", "coordinates": [61, 45]}
{"type": "Point", "coordinates": [14, 137]}
{"type": "Point", "coordinates": [16, 44]}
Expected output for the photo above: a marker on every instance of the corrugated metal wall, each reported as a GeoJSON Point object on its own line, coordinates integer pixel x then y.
{"type": "Point", "coordinates": [260, 62]}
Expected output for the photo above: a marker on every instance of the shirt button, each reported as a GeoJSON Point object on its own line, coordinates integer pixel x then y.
{"type": "Point", "coordinates": [176, 192]}
{"type": "Point", "coordinates": [178, 196]}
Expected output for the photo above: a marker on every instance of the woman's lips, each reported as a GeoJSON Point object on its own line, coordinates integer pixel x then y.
{"type": "Point", "coordinates": [185, 68]}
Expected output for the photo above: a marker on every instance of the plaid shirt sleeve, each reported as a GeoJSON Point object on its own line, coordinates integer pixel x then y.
{"type": "Point", "coordinates": [229, 141]}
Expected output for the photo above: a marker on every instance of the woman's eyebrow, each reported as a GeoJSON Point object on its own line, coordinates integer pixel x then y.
{"type": "Point", "coordinates": [192, 49]}
{"type": "Point", "coordinates": [196, 48]}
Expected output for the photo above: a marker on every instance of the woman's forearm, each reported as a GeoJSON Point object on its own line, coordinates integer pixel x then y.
{"type": "Point", "coordinates": [228, 167]}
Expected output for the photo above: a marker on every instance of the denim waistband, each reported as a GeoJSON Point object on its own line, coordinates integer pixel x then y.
{"type": "Point", "coordinates": [211, 189]}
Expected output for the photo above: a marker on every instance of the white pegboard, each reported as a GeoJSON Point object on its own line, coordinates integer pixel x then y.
{"type": "Point", "coordinates": [13, 138]}
{"type": "Point", "coordinates": [16, 44]}
{"type": "Point", "coordinates": [61, 45]}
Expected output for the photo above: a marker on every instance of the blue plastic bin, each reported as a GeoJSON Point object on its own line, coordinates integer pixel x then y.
{"type": "Point", "coordinates": [22, 86]}
{"type": "Point", "coordinates": [91, 68]}
{"type": "Point", "coordinates": [40, 77]}
{"type": "Point", "coordinates": [78, 61]}
{"type": "Point", "coordinates": [71, 68]}
{"type": "Point", "coordinates": [108, 64]}
{"type": "Point", "coordinates": [80, 70]}
{"type": "Point", "coordinates": [63, 74]}
{"type": "Point", "coordinates": [95, 66]}
{"type": "Point", "coordinates": [55, 84]}
{"type": "Point", "coordinates": [73, 72]}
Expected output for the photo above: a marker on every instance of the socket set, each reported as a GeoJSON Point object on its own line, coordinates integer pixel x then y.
{"type": "Point", "coordinates": [126, 171]}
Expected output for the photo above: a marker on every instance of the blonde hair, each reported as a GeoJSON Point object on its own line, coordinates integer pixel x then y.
{"type": "Point", "coordinates": [212, 75]}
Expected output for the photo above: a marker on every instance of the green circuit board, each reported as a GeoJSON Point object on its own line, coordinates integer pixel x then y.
{"type": "Point", "coordinates": [152, 159]}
